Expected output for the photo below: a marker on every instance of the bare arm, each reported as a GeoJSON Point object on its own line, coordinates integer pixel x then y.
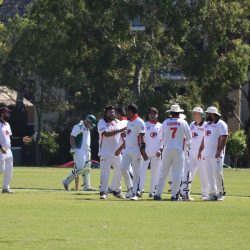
{"type": "Point", "coordinates": [201, 149]}
{"type": "Point", "coordinates": [114, 132]}
{"type": "Point", "coordinates": [142, 146]}
{"type": "Point", "coordinates": [72, 141]}
{"type": "Point", "coordinates": [221, 145]}
{"type": "Point", "coordinates": [119, 150]}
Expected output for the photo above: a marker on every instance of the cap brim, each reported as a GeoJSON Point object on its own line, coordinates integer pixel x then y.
{"type": "Point", "coordinates": [179, 111]}
{"type": "Point", "coordinates": [195, 111]}
{"type": "Point", "coordinates": [213, 113]}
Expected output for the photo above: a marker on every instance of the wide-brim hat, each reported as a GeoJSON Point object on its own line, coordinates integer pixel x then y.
{"type": "Point", "coordinates": [175, 109]}
{"type": "Point", "coordinates": [198, 110]}
{"type": "Point", "coordinates": [213, 110]}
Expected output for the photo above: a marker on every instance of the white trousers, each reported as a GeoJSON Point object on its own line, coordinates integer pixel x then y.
{"type": "Point", "coordinates": [154, 166]}
{"type": "Point", "coordinates": [171, 159]}
{"type": "Point", "coordinates": [105, 163]}
{"type": "Point", "coordinates": [6, 168]}
{"type": "Point", "coordinates": [214, 168]}
{"type": "Point", "coordinates": [131, 157]}
{"type": "Point", "coordinates": [114, 180]}
{"type": "Point", "coordinates": [190, 170]}
{"type": "Point", "coordinates": [82, 168]}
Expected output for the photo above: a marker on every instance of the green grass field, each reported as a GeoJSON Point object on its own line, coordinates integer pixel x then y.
{"type": "Point", "coordinates": [43, 216]}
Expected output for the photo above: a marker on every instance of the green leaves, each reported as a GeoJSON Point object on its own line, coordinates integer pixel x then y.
{"type": "Point", "coordinates": [236, 146]}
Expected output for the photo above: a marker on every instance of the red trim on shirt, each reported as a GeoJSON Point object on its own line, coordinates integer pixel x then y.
{"type": "Point", "coordinates": [153, 121]}
{"type": "Point", "coordinates": [124, 118]}
{"type": "Point", "coordinates": [134, 117]}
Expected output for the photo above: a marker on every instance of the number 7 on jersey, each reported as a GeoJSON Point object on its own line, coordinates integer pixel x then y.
{"type": "Point", "coordinates": [173, 132]}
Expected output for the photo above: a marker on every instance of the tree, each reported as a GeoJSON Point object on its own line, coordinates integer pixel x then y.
{"type": "Point", "coordinates": [236, 146]}
{"type": "Point", "coordinates": [35, 61]}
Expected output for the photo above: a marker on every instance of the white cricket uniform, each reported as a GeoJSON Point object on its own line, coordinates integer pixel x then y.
{"type": "Point", "coordinates": [132, 155]}
{"type": "Point", "coordinates": [214, 166]}
{"type": "Point", "coordinates": [124, 122]}
{"type": "Point", "coordinates": [82, 155]}
{"type": "Point", "coordinates": [173, 132]}
{"type": "Point", "coordinates": [6, 160]}
{"type": "Point", "coordinates": [107, 148]}
{"type": "Point", "coordinates": [153, 145]}
{"type": "Point", "coordinates": [193, 164]}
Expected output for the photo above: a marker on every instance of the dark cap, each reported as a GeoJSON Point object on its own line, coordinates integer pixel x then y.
{"type": "Point", "coordinates": [108, 108]}
{"type": "Point", "coordinates": [4, 110]}
{"type": "Point", "coordinates": [153, 110]}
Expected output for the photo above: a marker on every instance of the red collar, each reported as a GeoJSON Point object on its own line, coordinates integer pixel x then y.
{"type": "Point", "coordinates": [124, 118]}
{"type": "Point", "coordinates": [133, 118]}
{"type": "Point", "coordinates": [153, 121]}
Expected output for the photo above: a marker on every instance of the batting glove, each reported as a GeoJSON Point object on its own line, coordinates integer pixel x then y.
{"type": "Point", "coordinates": [72, 151]}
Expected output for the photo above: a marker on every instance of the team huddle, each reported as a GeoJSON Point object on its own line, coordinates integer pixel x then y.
{"type": "Point", "coordinates": [174, 150]}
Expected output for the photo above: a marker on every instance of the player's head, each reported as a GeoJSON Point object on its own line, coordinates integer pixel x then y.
{"type": "Point", "coordinates": [175, 111]}
{"type": "Point", "coordinates": [109, 113]}
{"type": "Point", "coordinates": [5, 113]}
{"type": "Point", "coordinates": [120, 112]}
{"type": "Point", "coordinates": [153, 113]}
{"type": "Point", "coordinates": [90, 121]}
{"type": "Point", "coordinates": [197, 114]}
{"type": "Point", "coordinates": [212, 114]}
{"type": "Point", "coordinates": [131, 110]}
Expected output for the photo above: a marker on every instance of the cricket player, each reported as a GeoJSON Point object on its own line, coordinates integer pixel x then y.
{"type": "Point", "coordinates": [174, 133]}
{"type": "Point", "coordinates": [213, 144]}
{"type": "Point", "coordinates": [6, 157]}
{"type": "Point", "coordinates": [121, 116]}
{"type": "Point", "coordinates": [153, 151]}
{"type": "Point", "coordinates": [80, 149]}
{"type": "Point", "coordinates": [197, 128]}
{"type": "Point", "coordinates": [134, 151]}
{"type": "Point", "coordinates": [110, 139]}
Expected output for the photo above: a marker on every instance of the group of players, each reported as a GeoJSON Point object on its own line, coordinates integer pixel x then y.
{"type": "Point", "coordinates": [174, 150]}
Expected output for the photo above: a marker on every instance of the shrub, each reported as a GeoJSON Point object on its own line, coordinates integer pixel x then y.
{"type": "Point", "coordinates": [236, 146]}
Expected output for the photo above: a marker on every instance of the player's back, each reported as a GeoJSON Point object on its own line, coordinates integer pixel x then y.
{"type": "Point", "coordinates": [173, 133]}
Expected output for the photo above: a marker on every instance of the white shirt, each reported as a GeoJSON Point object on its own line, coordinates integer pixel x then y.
{"type": "Point", "coordinates": [152, 138]}
{"type": "Point", "coordinates": [81, 128]}
{"type": "Point", "coordinates": [174, 133]}
{"type": "Point", "coordinates": [197, 132]}
{"type": "Point", "coordinates": [135, 127]}
{"type": "Point", "coordinates": [213, 131]}
{"type": "Point", "coordinates": [5, 133]}
{"type": "Point", "coordinates": [108, 145]}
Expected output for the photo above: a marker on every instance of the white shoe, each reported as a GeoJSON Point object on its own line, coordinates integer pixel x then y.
{"type": "Point", "coordinates": [7, 191]}
{"type": "Point", "coordinates": [118, 195]}
{"type": "Point", "coordinates": [211, 197]}
{"type": "Point", "coordinates": [220, 197]}
{"type": "Point", "coordinates": [204, 197]}
{"type": "Point", "coordinates": [103, 196]}
{"type": "Point", "coordinates": [129, 193]}
{"type": "Point", "coordinates": [134, 198]}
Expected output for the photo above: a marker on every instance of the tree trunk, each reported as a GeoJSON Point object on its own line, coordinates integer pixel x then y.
{"type": "Point", "coordinates": [138, 76]}
{"type": "Point", "coordinates": [38, 136]}
{"type": "Point", "coordinates": [247, 128]}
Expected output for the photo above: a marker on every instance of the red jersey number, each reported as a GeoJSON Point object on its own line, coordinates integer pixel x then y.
{"type": "Point", "coordinates": [173, 132]}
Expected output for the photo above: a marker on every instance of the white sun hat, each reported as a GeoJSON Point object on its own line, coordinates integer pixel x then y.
{"type": "Point", "coordinates": [212, 110]}
{"type": "Point", "coordinates": [175, 109]}
{"type": "Point", "coordinates": [198, 110]}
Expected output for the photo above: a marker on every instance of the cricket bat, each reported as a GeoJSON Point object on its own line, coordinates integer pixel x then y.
{"type": "Point", "coordinates": [76, 179]}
